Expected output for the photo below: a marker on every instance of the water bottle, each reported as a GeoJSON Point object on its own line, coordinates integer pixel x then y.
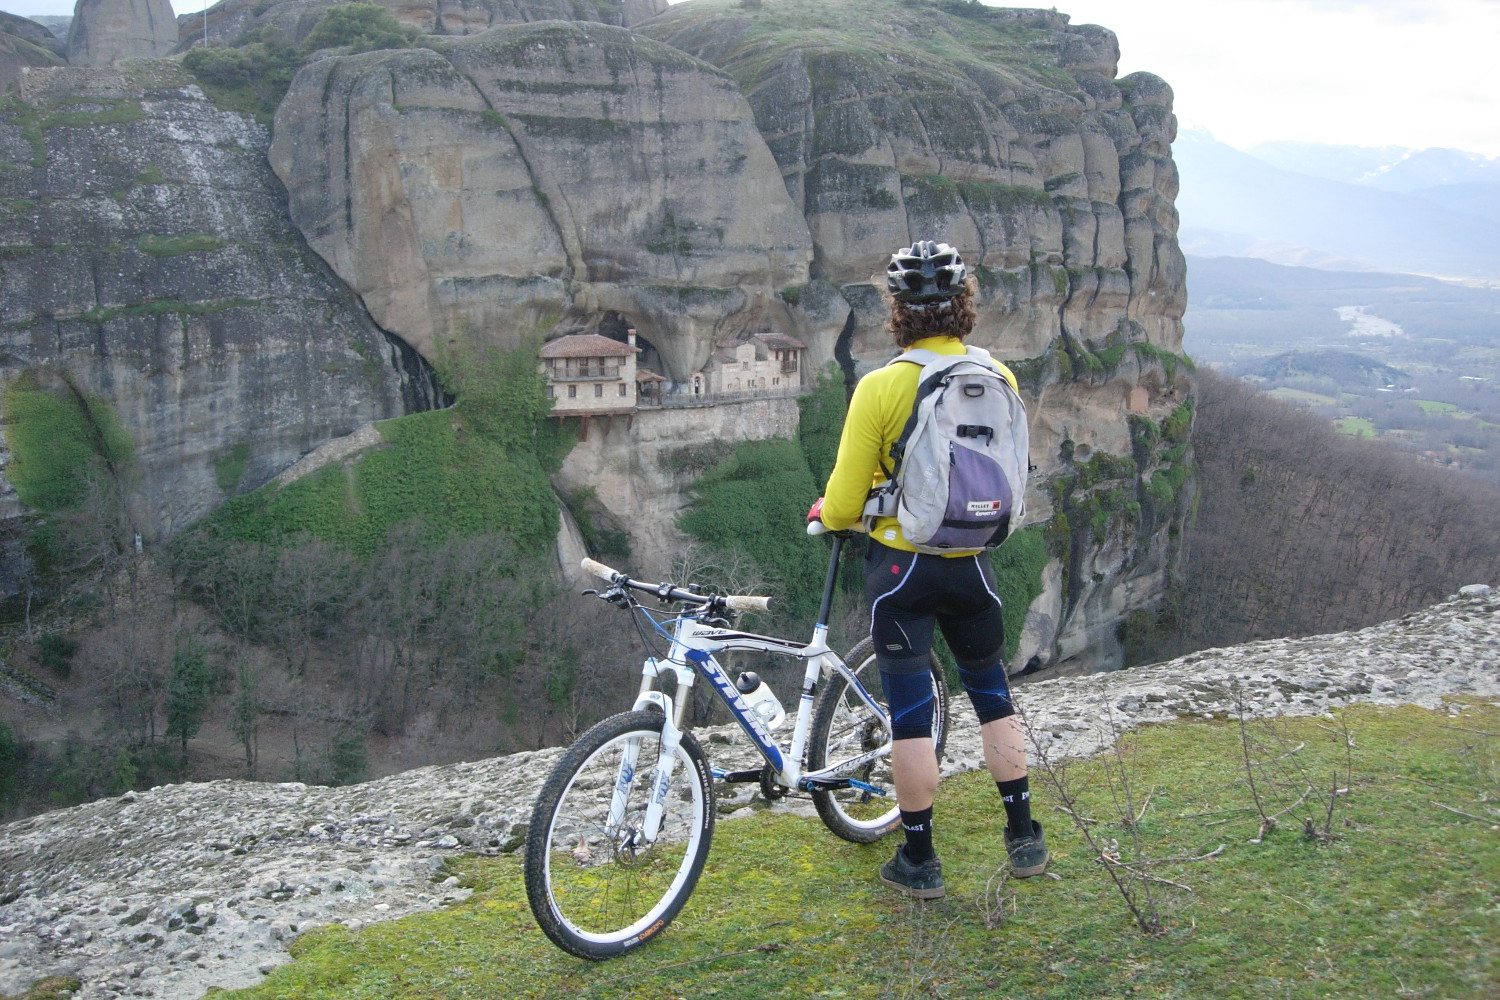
{"type": "Point", "coordinates": [761, 699]}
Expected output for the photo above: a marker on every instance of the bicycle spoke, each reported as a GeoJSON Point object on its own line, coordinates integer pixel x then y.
{"type": "Point", "coordinates": [596, 886]}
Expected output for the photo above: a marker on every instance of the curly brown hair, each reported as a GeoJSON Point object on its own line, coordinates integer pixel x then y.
{"type": "Point", "coordinates": [910, 325]}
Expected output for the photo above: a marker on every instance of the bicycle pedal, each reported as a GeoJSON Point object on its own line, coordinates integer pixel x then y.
{"type": "Point", "coordinates": [862, 786]}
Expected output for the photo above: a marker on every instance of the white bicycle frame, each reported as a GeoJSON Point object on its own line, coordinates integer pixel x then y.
{"type": "Point", "coordinates": [693, 644]}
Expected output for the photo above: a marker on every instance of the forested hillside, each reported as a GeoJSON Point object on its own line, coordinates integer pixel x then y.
{"type": "Point", "coordinates": [1301, 530]}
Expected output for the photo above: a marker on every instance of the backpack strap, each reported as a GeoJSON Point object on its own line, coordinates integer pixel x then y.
{"type": "Point", "coordinates": [974, 355]}
{"type": "Point", "coordinates": [919, 356]}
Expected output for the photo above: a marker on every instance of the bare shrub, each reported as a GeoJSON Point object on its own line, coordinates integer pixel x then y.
{"type": "Point", "coordinates": [1301, 530]}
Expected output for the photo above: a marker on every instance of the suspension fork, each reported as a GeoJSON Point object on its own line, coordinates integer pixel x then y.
{"type": "Point", "coordinates": [673, 712]}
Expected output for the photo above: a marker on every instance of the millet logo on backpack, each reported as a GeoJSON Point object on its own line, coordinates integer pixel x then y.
{"type": "Point", "coordinates": [985, 508]}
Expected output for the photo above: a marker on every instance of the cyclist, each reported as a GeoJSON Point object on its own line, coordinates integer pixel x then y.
{"type": "Point", "coordinates": [932, 307]}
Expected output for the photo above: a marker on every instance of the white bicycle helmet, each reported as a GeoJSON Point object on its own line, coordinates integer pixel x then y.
{"type": "Point", "coordinates": [925, 273]}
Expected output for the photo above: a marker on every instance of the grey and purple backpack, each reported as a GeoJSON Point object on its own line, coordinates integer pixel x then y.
{"type": "Point", "coordinates": [960, 464]}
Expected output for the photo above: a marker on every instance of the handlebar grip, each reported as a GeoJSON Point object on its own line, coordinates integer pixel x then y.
{"type": "Point", "coordinates": [598, 569]}
{"type": "Point", "coordinates": [817, 528]}
{"type": "Point", "coordinates": [737, 603]}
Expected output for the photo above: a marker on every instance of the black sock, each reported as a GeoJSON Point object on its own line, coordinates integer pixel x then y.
{"type": "Point", "coordinates": [1016, 795]}
{"type": "Point", "coordinates": [918, 827]}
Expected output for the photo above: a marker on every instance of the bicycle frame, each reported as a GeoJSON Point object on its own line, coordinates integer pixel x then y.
{"type": "Point", "coordinates": [693, 644]}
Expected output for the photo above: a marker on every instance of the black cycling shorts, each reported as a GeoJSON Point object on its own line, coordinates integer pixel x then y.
{"type": "Point", "coordinates": [911, 592]}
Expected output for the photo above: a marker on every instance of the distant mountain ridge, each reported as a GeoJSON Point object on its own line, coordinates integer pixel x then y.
{"type": "Point", "coordinates": [1433, 212]}
{"type": "Point", "coordinates": [1390, 168]}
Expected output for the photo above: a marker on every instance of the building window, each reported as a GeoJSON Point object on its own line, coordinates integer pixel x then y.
{"type": "Point", "coordinates": [624, 389]}
{"type": "Point", "coordinates": [598, 391]}
{"type": "Point", "coordinates": [551, 392]}
{"type": "Point", "coordinates": [572, 391]}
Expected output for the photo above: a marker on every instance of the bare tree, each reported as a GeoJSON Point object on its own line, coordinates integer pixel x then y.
{"type": "Point", "coordinates": [1301, 530]}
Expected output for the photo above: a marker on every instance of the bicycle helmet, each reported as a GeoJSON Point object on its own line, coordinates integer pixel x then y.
{"type": "Point", "coordinates": [925, 274]}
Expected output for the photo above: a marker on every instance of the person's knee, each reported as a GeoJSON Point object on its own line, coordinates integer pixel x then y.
{"type": "Point", "coordinates": [908, 695]}
{"type": "Point", "coordinates": [989, 691]}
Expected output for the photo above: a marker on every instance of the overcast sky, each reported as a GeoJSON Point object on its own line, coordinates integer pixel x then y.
{"type": "Point", "coordinates": [1355, 72]}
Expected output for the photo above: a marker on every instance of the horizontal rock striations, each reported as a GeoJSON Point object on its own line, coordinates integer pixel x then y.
{"type": "Point", "coordinates": [167, 892]}
{"type": "Point", "coordinates": [1002, 132]}
{"type": "Point", "coordinates": [148, 257]}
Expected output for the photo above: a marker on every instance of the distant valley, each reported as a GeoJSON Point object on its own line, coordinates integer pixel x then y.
{"type": "Point", "coordinates": [1411, 360]}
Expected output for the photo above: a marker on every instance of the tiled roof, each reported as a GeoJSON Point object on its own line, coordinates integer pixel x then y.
{"type": "Point", "coordinates": [647, 375]}
{"type": "Point", "coordinates": [586, 345]}
{"type": "Point", "coordinates": [780, 340]}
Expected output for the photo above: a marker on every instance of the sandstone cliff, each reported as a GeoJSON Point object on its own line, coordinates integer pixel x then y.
{"type": "Point", "coordinates": [491, 186]}
{"type": "Point", "coordinates": [105, 32]}
{"type": "Point", "coordinates": [167, 892]}
{"type": "Point", "coordinates": [718, 170]}
{"type": "Point", "coordinates": [564, 175]}
{"type": "Point", "coordinates": [1004, 131]}
{"type": "Point", "coordinates": [148, 254]}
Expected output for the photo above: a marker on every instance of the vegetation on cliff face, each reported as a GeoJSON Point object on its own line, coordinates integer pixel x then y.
{"type": "Point", "coordinates": [253, 75]}
{"type": "Point", "coordinates": [416, 580]}
{"type": "Point", "coordinates": [473, 469]}
{"type": "Point", "coordinates": [73, 463]}
{"type": "Point", "coordinates": [61, 438]}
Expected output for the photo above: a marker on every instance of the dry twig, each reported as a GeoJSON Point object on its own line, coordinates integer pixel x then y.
{"type": "Point", "coordinates": [1144, 804]}
{"type": "Point", "coordinates": [1482, 819]}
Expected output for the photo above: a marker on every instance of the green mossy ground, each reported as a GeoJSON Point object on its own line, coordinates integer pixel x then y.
{"type": "Point", "coordinates": [1399, 902]}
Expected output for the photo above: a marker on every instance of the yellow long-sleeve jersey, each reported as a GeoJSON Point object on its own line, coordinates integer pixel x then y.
{"type": "Point", "coordinates": [878, 412]}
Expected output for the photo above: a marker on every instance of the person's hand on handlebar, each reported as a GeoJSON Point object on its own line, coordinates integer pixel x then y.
{"type": "Point", "coordinates": [815, 525]}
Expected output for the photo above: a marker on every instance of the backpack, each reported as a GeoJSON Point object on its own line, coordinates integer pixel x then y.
{"type": "Point", "coordinates": [959, 481]}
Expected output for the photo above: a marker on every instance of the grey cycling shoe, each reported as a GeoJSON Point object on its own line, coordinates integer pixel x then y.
{"type": "Point", "coordinates": [1028, 855]}
{"type": "Point", "coordinates": [920, 881]}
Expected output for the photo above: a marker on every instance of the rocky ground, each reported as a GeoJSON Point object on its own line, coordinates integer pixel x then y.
{"type": "Point", "coordinates": [167, 892]}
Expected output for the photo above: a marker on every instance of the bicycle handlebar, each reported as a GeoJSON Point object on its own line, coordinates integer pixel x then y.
{"type": "Point", "coordinates": [667, 592]}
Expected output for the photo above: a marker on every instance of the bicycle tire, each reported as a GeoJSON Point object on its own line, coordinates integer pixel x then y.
{"type": "Point", "coordinates": [591, 892]}
{"type": "Point", "coordinates": [843, 725]}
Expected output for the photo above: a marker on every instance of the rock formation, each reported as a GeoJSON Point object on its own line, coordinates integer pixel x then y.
{"type": "Point", "coordinates": [148, 254]}
{"type": "Point", "coordinates": [168, 892]}
{"type": "Point", "coordinates": [553, 175]}
{"type": "Point", "coordinates": [740, 169]}
{"type": "Point", "coordinates": [105, 32]}
{"type": "Point", "coordinates": [494, 185]}
{"type": "Point", "coordinates": [24, 43]}
{"type": "Point", "coordinates": [1020, 148]}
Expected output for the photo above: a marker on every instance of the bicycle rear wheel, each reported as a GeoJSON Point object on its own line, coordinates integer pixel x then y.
{"type": "Point", "coordinates": [843, 726]}
{"type": "Point", "coordinates": [596, 888]}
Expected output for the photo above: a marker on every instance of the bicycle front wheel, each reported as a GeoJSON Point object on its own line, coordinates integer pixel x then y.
{"type": "Point", "coordinates": [595, 886]}
{"type": "Point", "coordinates": [843, 726]}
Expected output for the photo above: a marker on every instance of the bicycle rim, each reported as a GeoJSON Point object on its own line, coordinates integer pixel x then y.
{"type": "Point", "coordinates": [843, 727]}
{"type": "Point", "coordinates": [595, 887]}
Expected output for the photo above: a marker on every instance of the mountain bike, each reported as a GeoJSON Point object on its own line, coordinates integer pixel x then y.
{"type": "Point", "coordinates": [621, 830]}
